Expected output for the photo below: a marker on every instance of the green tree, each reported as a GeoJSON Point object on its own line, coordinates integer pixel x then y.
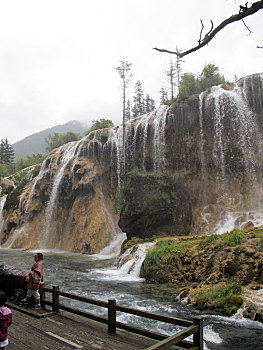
{"type": "Point", "coordinates": [189, 86]}
{"type": "Point", "coordinates": [138, 100]}
{"type": "Point", "coordinates": [32, 159]}
{"type": "Point", "coordinates": [3, 170]}
{"type": "Point", "coordinates": [7, 152]}
{"type": "Point", "coordinates": [210, 77]}
{"type": "Point", "coordinates": [58, 140]}
{"type": "Point", "coordinates": [100, 124]}
{"type": "Point", "coordinates": [163, 97]}
{"type": "Point", "coordinates": [149, 104]}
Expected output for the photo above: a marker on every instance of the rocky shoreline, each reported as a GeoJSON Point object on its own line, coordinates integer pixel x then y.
{"type": "Point", "coordinates": [220, 272]}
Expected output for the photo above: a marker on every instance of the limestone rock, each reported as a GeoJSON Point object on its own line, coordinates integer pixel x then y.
{"type": "Point", "coordinates": [6, 185]}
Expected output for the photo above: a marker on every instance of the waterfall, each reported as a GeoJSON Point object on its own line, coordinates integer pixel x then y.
{"type": "Point", "coordinates": [116, 236]}
{"type": "Point", "coordinates": [202, 146]}
{"type": "Point", "coordinates": [216, 98]}
{"type": "Point", "coordinates": [129, 265]}
{"type": "Point", "coordinates": [2, 204]}
{"type": "Point", "coordinates": [69, 152]}
{"type": "Point", "coordinates": [131, 261]}
{"type": "Point", "coordinates": [159, 123]}
{"type": "Point", "coordinates": [82, 141]}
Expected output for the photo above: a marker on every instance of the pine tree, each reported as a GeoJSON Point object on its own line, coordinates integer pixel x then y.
{"type": "Point", "coordinates": [149, 104]}
{"type": "Point", "coordinates": [7, 153]}
{"type": "Point", "coordinates": [170, 73]}
{"type": "Point", "coordinates": [138, 100]}
{"type": "Point", "coordinates": [128, 115]}
{"type": "Point", "coordinates": [124, 71]}
{"type": "Point", "coordinates": [164, 96]}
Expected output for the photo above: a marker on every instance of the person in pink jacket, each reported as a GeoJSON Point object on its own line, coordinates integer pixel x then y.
{"type": "Point", "coordinates": [33, 281]}
{"type": "Point", "coordinates": [5, 321]}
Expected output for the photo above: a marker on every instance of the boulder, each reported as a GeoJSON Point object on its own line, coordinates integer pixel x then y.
{"type": "Point", "coordinates": [6, 185]}
{"type": "Point", "coordinates": [12, 278]}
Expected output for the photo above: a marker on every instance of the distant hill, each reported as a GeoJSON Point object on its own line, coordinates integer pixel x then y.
{"type": "Point", "coordinates": [36, 143]}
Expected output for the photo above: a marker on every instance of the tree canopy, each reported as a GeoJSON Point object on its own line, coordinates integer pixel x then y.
{"type": "Point", "coordinates": [57, 140]}
{"type": "Point", "coordinates": [191, 84]}
{"type": "Point", "coordinates": [32, 159]}
{"type": "Point", "coordinates": [7, 153]}
{"type": "Point", "coordinates": [100, 124]}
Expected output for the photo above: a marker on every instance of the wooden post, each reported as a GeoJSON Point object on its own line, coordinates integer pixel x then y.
{"type": "Point", "coordinates": [55, 298]}
{"type": "Point", "coordinates": [111, 316]}
{"type": "Point", "coordinates": [198, 337]}
{"type": "Point", "coordinates": [42, 295]}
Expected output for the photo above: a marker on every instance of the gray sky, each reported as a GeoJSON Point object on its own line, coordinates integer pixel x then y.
{"type": "Point", "coordinates": [57, 57]}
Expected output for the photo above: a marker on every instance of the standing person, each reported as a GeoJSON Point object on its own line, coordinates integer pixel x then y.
{"type": "Point", "coordinates": [33, 281]}
{"type": "Point", "coordinates": [5, 321]}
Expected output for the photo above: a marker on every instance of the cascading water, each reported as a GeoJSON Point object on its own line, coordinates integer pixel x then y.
{"type": "Point", "coordinates": [68, 153]}
{"type": "Point", "coordinates": [234, 121]}
{"type": "Point", "coordinates": [129, 265]}
{"type": "Point", "coordinates": [2, 204]}
{"type": "Point", "coordinates": [159, 123]}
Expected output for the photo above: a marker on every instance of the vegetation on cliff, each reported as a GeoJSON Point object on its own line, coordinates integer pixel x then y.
{"type": "Point", "coordinates": [211, 269]}
{"type": "Point", "coordinates": [154, 204]}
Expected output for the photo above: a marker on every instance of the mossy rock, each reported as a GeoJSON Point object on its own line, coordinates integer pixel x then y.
{"type": "Point", "coordinates": [153, 204]}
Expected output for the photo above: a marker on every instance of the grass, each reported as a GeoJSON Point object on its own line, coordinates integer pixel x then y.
{"type": "Point", "coordinates": [223, 297]}
{"type": "Point", "coordinates": [163, 251]}
{"type": "Point", "coordinates": [232, 238]}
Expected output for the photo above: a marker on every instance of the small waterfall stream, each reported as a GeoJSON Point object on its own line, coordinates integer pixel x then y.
{"type": "Point", "coordinates": [2, 204]}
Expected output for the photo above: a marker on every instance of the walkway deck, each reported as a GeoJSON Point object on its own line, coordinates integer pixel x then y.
{"type": "Point", "coordinates": [66, 331]}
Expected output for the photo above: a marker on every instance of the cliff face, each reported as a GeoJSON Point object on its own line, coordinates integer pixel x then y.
{"type": "Point", "coordinates": [209, 146]}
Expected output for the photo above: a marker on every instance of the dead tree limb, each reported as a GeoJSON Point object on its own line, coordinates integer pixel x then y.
{"type": "Point", "coordinates": [249, 31]}
{"type": "Point", "coordinates": [244, 12]}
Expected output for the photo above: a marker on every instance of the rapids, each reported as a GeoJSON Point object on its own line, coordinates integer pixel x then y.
{"type": "Point", "coordinates": [97, 278]}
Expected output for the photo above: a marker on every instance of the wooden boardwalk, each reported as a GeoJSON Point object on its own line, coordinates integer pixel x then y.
{"type": "Point", "coordinates": [55, 331]}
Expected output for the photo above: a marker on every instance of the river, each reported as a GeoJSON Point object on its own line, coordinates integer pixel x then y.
{"type": "Point", "coordinates": [99, 279]}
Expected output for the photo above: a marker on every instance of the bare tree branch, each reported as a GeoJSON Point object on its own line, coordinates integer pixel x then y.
{"type": "Point", "coordinates": [246, 27]}
{"type": "Point", "coordinates": [200, 39]}
{"type": "Point", "coordinates": [244, 12]}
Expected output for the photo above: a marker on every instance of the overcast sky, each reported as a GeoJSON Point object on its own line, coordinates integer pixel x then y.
{"type": "Point", "coordinates": [57, 57]}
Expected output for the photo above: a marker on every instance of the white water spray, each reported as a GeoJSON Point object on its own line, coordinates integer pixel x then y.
{"type": "Point", "coordinates": [2, 204]}
{"type": "Point", "coordinates": [69, 152]}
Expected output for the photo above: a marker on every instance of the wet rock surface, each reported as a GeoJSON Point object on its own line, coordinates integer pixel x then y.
{"type": "Point", "coordinates": [155, 205]}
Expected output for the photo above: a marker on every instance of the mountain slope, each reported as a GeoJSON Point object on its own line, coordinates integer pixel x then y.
{"type": "Point", "coordinates": [36, 143]}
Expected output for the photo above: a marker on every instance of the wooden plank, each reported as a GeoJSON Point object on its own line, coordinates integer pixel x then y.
{"type": "Point", "coordinates": [153, 316]}
{"type": "Point", "coordinates": [64, 340]}
{"type": "Point", "coordinates": [37, 314]}
{"type": "Point", "coordinates": [174, 339]}
{"type": "Point", "coordinates": [83, 313]}
{"type": "Point", "coordinates": [84, 299]}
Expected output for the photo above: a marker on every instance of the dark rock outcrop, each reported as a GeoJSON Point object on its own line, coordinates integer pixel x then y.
{"type": "Point", "coordinates": [154, 205]}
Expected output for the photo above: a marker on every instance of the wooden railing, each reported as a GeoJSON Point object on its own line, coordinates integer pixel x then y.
{"type": "Point", "coordinates": [194, 327]}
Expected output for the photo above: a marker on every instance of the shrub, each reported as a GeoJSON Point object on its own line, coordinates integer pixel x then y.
{"type": "Point", "coordinates": [207, 241]}
{"type": "Point", "coordinates": [164, 250]}
{"type": "Point", "coordinates": [233, 238]}
{"type": "Point", "coordinates": [223, 297]}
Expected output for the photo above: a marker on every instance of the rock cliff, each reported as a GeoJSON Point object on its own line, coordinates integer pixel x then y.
{"type": "Point", "coordinates": [209, 146]}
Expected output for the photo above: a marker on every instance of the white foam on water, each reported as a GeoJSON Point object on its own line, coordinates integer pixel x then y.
{"type": "Point", "coordinates": [130, 270]}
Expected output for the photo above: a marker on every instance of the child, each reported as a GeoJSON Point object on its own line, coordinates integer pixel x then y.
{"type": "Point", "coordinates": [5, 321]}
{"type": "Point", "coordinates": [33, 281]}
